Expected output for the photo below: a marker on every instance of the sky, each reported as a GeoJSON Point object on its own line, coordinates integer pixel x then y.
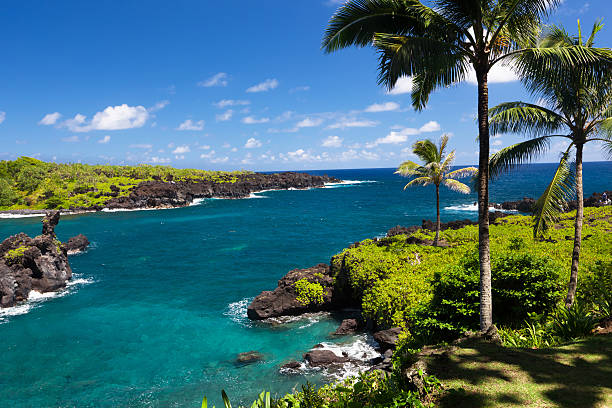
{"type": "Point", "coordinates": [225, 85]}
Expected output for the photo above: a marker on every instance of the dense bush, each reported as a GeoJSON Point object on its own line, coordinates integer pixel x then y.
{"type": "Point", "coordinates": [595, 289]}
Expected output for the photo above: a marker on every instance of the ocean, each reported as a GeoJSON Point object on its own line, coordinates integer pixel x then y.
{"type": "Point", "coordinates": [156, 313]}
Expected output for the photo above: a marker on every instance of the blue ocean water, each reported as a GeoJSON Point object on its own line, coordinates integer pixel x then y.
{"type": "Point", "coordinates": [156, 315]}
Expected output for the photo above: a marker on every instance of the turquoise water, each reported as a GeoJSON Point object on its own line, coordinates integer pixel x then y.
{"type": "Point", "coordinates": [157, 314]}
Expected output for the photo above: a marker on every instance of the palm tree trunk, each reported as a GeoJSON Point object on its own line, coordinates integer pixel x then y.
{"type": "Point", "coordinates": [437, 216]}
{"type": "Point", "coordinates": [486, 298]}
{"type": "Point", "coordinates": [573, 282]}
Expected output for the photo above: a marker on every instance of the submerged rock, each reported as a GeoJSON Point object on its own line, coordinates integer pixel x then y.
{"type": "Point", "coordinates": [249, 357]}
{"type": "Point", "coordinates": [39, 264]}
{"type": "Point", "coordinates": [77, 244]}
{"type": "Point", "coordinates": [283, 301]}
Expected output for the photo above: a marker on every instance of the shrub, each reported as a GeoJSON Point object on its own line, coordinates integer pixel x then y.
{"type": "Point", "coordinates": [596, 288]}
{"type": "Point", "coordinates": [14, 255]}
{"type": "Point", "coordinates": [308, 292]}
{"type": "Point", "coordinates": [572, 323]}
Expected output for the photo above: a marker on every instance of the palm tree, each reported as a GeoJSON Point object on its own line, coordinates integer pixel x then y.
{"type": "Point", "coordinates": [575, 108]}
{"type": "Point", "coordinates": [438, 46]}
{"type": "Point", "coordinates": [435, 170]}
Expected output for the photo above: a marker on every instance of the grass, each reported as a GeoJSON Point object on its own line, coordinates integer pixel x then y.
{"type": "Point", "coordinates": [481, 374]}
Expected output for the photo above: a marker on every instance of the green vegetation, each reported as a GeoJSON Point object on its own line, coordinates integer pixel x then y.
{"type": "Point", "coordinates": [577, 108]}
{"type": "Point", "coordinates": [34, 184]}
{"type": "Point", "coordinates": [482, 374]}
{"type": "Point", "coordinates": [14, 255]}
{"type": "Point", "coordinates": [308, 292]}
{"type": "Point", "coordinates": [436, 171]}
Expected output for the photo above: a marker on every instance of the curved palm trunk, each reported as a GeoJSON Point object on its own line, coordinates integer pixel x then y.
{"type": "Point", "coordinates": [486, 298]}
{"type": "Point", "coordinates": [436, 239]}
{"type": "Point", "coordinates": [573, 282]}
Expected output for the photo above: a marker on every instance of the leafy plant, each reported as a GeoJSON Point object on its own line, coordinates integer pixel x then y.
{"type": "Point", "coordinates": [263, 401]}
{"type": "Point", "coordinates": [572, 323]}
{"type": "Point", "coordinates": [309, 292]}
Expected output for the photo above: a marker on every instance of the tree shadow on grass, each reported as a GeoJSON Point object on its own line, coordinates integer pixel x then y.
{"type": "Point", "coordinates": [579, 375]}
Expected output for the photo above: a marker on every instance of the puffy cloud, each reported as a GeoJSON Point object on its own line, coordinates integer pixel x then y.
{"type": "Point", "coordinates": [224, 103]}
{"type": "Point", "coordinates": [208, 155]}
{"type": "Point", "coordinates": [431, 126]}
{"type": "Point", "coordinates": [225, 116]}
{"type": "Point", "coordinates": [105, 139]}
{"type": "Point", "coordinates": [191, 125]}
{"type": "Point", "coordinates": [251, 120]}
{"type": "Point", "coordinates": [159, 106]}
{"type": "Point", "coordinates": [181, 149]}
{"type": "Point", "coordinates": [252, 143]}
{"type": "Point", "coordinates": [50, 118]}
{"type": "Point", "coordinates": [219, 79]}
{"type": "Point", "coordinates": [264, 86]}
{"type": "Point", "coordinates": [402, 86]}
{"type": "Point", "coordinates": [500, 73]}
{"type": "Point", "coordinates": [219, 160]}
{"type": "Point", "coordinates": [118, 117]}
{"type": "Point", "coordinates": [383, 107]}
{"type": "Point", "coordinates": [349, 123]}
{"type": "Point", "coordinates": [308, 122]}
{"type": "Point", "coordinates": [159, 160]}
{"type": "Point", "coordinates": [332, 141]}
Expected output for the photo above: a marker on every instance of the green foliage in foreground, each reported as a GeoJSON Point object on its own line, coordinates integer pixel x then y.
{"type": "Point", "coordinates": [34, 184]}
{"type": "Point", "coordinates": [431, 291]}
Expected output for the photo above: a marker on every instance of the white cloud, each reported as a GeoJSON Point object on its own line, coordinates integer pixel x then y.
{"type": "Point", "coordinates": [308, 122]}
{"type": "Point", "coordinates": [50, 118]}
{"type": "Point", "coordinates": [264, 86]}
{"type": "Point", "coordinates": [299, 89]}
{"type": "Point", "coordinates": [141, 146]}
{"type": "Point", "coordinates": [383, 107]}
{"type": "Point", "coordinates": [369, 155]}
{"type": "Point", "coordinates": [431, 126]}
{"type": "Point", "coordinates": [204, 147]}
{"type": "Point", "coordinates": [402, 86]}
{"type": "Point", "coordinates": [181, 149]}
{"type": "Point", "coordinates": [159, 160]}
{"type": "Point", "coordinates": [225, 116]}
{"type": "Point", "coordinates": [219, 79]}
{"type": "Point", "coordinates": [118, 117]}
{"type": "Point", "coordinates": [208, 155]}
{"type": "Point", "coordinates": [348, 123]}
{"type": "Point", "coordinates": [105, 139]}
{"type": "Point", "coordinates": [224, 103]}
{"type": "Point", "coordinates": [159, 106]}
{"type": "Point", "coordinates": [220, 160]}
{"type": "Point", "coordinates": [252, 143]}
{"type": "Point", "coordinates": [332, 141]}
{"type": "Point", "coordinates": [251, 120]}
{"type": "Point", "coordinates": [191, 125]}
{"type": "Point", "coordinates": [498, 74]}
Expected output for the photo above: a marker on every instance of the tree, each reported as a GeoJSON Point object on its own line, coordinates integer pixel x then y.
{"type": "Point", "coordinates": [576, 108]}
{"type": "Point", "coordinates": [438, 46]}
{"type": "Point", "coordinates": [435, 170]}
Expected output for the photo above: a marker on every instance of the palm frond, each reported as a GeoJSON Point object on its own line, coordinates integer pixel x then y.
{"type": "Point", "coordinates": [423, 181]}
{"type": "Point", "coordinates": [456, 185]}
{"type": "Point", "coordinates": [409, 168]}
{"type": "Point", "coordinates": [464, 172]}
{"type": "Point", "coordinates": [510, 157]}
{"type": "Point", "coordinates": [550, 205]}
{"type": "Point", "coordinates": [426, 150]}
{"type": "Point", "coordinates": [522, 117]}
{"type": "Point", "coordinates": [448, 162]}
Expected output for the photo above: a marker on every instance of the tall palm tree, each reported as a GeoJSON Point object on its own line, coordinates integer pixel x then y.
{"type": "Point", "coordinates": [435, 170]}
{"type": "Point", "coordinates": [577, 109]}
{"type": "Point", "coordinates": [438, 46]}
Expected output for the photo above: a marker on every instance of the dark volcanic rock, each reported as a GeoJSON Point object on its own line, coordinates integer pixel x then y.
{"type": "Point", "coordinates": [348, 326]}
{"type": "Point", "coordinates": [77, 244]}
{"type": "Point", "coordinates": [27, 264]}
{"type": "Point", "coordinates": [387, 339]}
{"type": "Point", "coordinates": [249, 357]}
{"type": "Point", "coordinates": [291, 365]}
{"type": "Point", "coordinates": [525, 205]}
{"type": "Point", "coordinates": [319, 358]}
{"type": "Point", "coordinates": [282, 301]}
{"type": "Point", "coordinates": [164, 194]}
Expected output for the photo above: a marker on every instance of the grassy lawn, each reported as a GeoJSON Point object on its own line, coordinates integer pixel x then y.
{"type": "Point", "coordinates": [481, 374]}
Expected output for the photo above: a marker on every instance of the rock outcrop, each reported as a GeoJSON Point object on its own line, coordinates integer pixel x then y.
{"type": "Point", "coordinates": [165, 194]}
{"type": "Point", "coordinates": [322, 358]}
{"type": "Point", "coordinates": [27, 264]}
{"type": "Point", "coordinates": [77, 244]}
{"type": "Point", "coordinates": [387, 339]}
{"type": "Point", "coordinates": [348, 326]}
{"type": "Point", "coordinates": [283, 301]}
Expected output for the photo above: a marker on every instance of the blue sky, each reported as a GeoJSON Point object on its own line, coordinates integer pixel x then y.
{"type": "Point", "coordinates": [220, 85]}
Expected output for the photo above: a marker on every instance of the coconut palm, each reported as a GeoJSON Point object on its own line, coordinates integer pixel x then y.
{"type": "Point", "coordinates": [435, 170]}
{"type": "Point", "coordinates": [576, 109]}
{"type": "Point", "coordinates": [439, 46]}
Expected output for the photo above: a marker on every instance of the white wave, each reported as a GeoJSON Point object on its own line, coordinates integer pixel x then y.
{"type": "Point", "coordinates": [237, 311]}
{"type": "Point", "coordinates": [473, 208]}
{"type": "Point", "coordinates": [254, 195]}
{"type": "Point", "coordinates": [35, 298]}
{"type": "Point", "coordinates": [9, 215]}
{"type": "Point", "coordinates": [310, 318]}
{"type": "Point", "coordinates": [197, 201]}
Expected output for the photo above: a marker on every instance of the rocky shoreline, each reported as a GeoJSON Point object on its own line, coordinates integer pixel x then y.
{"type": "Point", "coordinates": [37, 264]}
{"type": "Point", "coordinates": [158, 194]}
